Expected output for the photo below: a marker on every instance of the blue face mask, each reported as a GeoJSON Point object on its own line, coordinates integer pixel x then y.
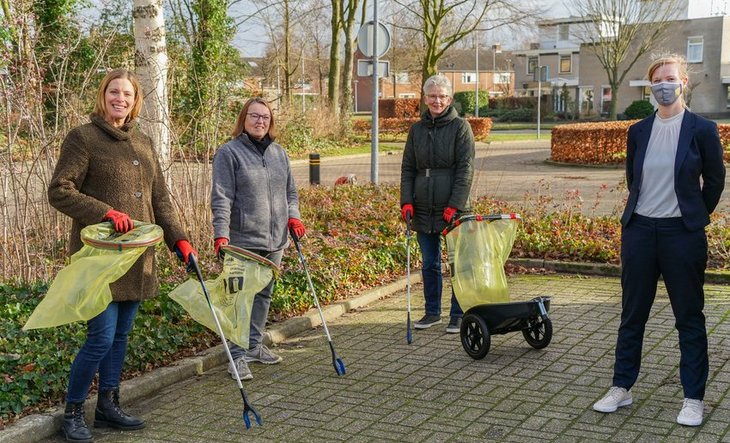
{"type": "Point", "coordinates": [666, 93]}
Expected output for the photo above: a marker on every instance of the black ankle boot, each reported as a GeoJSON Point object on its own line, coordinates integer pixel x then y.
{"type": "Point", "coordinates": [108, 413]}
{"type": "Point", "coordinates": [74, 425]}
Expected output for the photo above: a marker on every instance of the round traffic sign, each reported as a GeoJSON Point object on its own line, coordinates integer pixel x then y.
{"type": "Point", "coordinates": [365, 39]}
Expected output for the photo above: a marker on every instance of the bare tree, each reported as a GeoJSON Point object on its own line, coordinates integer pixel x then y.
{"type": "Point", "coordinates": [443, 23]}
{"type": "Point", "coordinates": [405, 49]}
{"type": "Point", "coordinates": [283, 19]}
{"type": "Point", "coordinates": [348, 26]}
{"type": "Point", "coordinates": [151, 62]}
{"type": "Point", "coordinates": [333, 86]}
{"type": "Point", "coordinates": [619, 32]}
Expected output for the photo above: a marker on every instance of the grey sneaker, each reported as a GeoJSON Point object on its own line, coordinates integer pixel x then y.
{"type": "Point", "coordinates": [692, 412]}
{"type": "Point", "coordinates": [262, 354]}
{"type": "Point", "coordinates": [615, 398]}
{"type": "Point", "coordinates": [242, 369]}
{"type": "Point", "coordinates": [454, 326]}
{"type": "Point", "coordinates": [427, 321]}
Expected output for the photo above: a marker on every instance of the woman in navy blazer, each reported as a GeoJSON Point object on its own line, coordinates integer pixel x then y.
{"type": "Point", "coordinates": [675, 175]}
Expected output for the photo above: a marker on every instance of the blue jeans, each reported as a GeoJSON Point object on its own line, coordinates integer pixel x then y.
{"type": "Point", "coordinates": [432, 278]}
{"type": "Point", "coordinates": [260, 309]}
{"type": "Point", "coordinates": [103, 351]}
{"type": "Point", "coordinates": [651, 247]}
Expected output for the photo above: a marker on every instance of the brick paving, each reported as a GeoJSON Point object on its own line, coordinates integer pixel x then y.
{"type": "Point", "coordinates": [432, 391]}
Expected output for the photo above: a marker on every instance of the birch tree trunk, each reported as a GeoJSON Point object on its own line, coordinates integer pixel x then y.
{"type": "Point", "coordinates": [152, 64]}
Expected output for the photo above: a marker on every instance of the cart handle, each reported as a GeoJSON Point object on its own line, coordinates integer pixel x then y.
{"type": "Point", "coordinates": [479, 217]}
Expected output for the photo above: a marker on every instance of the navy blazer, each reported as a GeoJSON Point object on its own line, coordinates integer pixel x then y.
{"type": "Point", "coordinates": [699, 154]}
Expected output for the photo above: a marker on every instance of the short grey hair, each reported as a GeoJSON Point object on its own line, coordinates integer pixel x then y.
{"type": "Point", "coordinates": [437, 81]}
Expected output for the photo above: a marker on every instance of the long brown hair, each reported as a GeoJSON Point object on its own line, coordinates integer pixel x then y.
{"type": "Point", "coordinates": [239, 127]}
{"type": "Point", "coordinates": [100, 106]}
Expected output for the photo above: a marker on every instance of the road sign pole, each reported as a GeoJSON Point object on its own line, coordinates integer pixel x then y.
{"type": "Point", "coordinates": [374, 126]}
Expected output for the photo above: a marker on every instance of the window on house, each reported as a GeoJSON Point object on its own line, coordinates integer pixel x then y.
{"type": "Point", "coordinates": [501, 78]}
{"type": "Point", "coordinates": [402, 78]}
{"type": "Point", "coordinates": [531, 64]}
{"type": "Point", "coordinates": [694, 49]}
{"type": "Point", "coordinates": [646, 93]}
{"type": "Point", "coordinates": [605, 99]}
{"type": "Point", "coordinates": [469, 77]}
{"type": "Point", "coordinates": [728, 97]}
{"type": "Point", "coordinates": [565, 63]}
{"type": "Point", "coordinates": [563, 32]}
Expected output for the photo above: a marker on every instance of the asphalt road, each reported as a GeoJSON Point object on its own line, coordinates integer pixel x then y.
{"type": "Point", "coordinates": [516, 172]}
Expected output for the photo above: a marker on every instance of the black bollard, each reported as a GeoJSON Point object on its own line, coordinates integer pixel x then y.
{"type": "Point", "coordinates": [313, 168]}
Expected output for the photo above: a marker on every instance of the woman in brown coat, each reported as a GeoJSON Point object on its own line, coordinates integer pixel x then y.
{"type": "Point", "coordinates": [108, 170]}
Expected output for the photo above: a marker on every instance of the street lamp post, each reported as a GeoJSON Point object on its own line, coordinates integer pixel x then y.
{"type": "Point", "coordinates": [496, 49]}
{"type": "Point", "coordinates": [476, 63]}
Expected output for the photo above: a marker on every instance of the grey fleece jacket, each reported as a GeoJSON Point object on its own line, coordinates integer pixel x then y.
{"type": "Point", "coordinates": [253, 195]}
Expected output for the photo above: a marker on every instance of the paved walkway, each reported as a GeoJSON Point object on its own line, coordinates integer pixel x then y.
{"type": "Point", "coordinates": [431, 391]}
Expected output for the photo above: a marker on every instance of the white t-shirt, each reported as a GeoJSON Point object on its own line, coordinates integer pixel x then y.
{"type": "Point", "coordinates": [657, 197]}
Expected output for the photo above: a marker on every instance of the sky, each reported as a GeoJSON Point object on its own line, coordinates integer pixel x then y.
{"type": "Point", "coordinates": [251, 37]}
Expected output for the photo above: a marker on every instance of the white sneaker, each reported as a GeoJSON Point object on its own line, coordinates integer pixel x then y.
{"type": "Point", "coordinates": [615, 398]}
{"type": "Point", "coordinates": [692, 412]}
{"type": "Point", "coordinates": [261, 354]}
{"type": "Point", "coordinates": [242, 368]}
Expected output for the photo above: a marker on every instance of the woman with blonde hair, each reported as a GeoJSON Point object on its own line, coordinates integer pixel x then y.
{"type": "Point", "coordinates": [108, 170]}
{"type": "Point", "coordinates": [675, 175]}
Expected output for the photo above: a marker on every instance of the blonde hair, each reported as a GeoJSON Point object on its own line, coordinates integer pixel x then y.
{"type": "Point", "coordinates": [100, 106]}
{"type": "Point", "coordinates": [240, 125]}
{"type": "Point", "coordinates": [668, 59]}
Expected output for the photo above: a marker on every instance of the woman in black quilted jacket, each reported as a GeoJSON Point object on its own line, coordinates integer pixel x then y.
{"type": "Point", "coordinates": [436, 178]}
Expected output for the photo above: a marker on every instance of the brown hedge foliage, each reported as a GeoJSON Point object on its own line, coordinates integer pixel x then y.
{"type": "Point", "coordinates": [399, 107]}
{"type": "Point", "coordinates": [480, 127]}
{"type": "Point", "coordinates": [601, 143]}
{"type": "Point", "coordinates": [400, 126]}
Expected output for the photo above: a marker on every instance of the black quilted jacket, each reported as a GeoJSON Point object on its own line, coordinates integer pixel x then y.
{"type": "Point", "coordinates": [437, 168]}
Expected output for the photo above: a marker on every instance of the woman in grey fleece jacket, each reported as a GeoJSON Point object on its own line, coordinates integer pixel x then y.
{"type": "Point", "coordinates": [254, 202]}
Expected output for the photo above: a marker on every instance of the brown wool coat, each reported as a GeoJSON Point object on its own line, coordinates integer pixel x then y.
{"type": "Point", "coordinates": [102, 167]}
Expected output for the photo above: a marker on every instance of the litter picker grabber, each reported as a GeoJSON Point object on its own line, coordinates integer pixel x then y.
{"type": "Point", "coordinates": [337, 362]}
{"type": "Point", "coordinates": [409, 334]}
{"type": "Point", "coordinates": [247, 408]}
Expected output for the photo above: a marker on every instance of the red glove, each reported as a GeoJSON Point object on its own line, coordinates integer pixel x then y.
{"type": "Point", "coordinates": [297, 227]}
{"type": "Point", "coordinates": [121, 221]}
{"type": "Point", "coordinates": [449, 214]}
{"type": "Point", "coordinates": [184, 249]}
{"type": "Point", "coordinates": [220, 241]}
{"type": "Point", "coordinates": [406, 211]}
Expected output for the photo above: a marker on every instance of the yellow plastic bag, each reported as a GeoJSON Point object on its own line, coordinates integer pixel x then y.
{"type": "Point", "coordinates": [478, 250]}
{"type": "Point", "coordinates": [81, 291]}
{"type": "Point", "coordinates": [231, 294]}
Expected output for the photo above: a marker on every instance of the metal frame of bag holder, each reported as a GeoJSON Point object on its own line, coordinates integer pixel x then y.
{"type": "Point", "coordinates": [245, 254]}
{"type": "Point", "coordinates": [116, 241]}
{"type": "Point", "coordinates": [479, 217]}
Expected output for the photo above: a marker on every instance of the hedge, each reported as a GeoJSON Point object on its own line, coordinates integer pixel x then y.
{"type": "Point", "coordinates": [400, 126]}
{"type": "Point", "coordinates": [399, 107]}
{"type": "Point", "coordinates": [602, 143]}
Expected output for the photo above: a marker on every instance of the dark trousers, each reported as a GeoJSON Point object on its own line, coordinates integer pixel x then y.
{"type": "Point", "coordinates": [651, 247]}
{"type": "Point", "coordinates": [430, 245]}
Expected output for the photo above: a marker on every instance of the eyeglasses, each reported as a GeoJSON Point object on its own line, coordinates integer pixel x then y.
{"type": "Point", "coordinates": [442, 98]}
{"type": "Point", "coordinates": [255, 117]}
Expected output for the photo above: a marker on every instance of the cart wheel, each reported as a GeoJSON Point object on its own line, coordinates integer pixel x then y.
{"type": "Point", "coordinates": [475, 336]}
{"type": "Point", "coordinates": [539, 333]}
